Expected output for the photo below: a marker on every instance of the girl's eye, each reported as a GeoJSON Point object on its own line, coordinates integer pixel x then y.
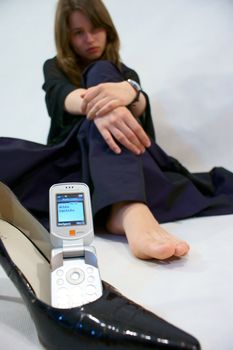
{"type": "Point", "coordinates": [78, 32]}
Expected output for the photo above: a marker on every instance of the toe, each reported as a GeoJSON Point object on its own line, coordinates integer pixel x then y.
{"type": "Point", "coordinates": [163, 251]}
{"type": "Point", "coordinates": [157, 251]}
{"type": "Point", "coordinates": [181, 249]}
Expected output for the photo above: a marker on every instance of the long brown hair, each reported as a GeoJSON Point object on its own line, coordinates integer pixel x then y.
{"type": "Point", "coordinates": [99, 16]}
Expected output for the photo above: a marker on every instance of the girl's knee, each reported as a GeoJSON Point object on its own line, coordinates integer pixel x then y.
{"type": "Point", "coordinates": [101, 71]}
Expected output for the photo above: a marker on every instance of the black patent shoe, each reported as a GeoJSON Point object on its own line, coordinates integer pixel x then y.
{"type": "Point", "coordinates": [111, 322]}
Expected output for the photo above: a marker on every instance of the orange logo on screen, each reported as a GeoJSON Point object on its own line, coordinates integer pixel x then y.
{"type": "Point", "coordinates": [72, 233]}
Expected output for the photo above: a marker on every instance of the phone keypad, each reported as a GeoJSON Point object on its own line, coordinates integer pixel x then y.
{"type": "Point", "coordinates": [75, 286]}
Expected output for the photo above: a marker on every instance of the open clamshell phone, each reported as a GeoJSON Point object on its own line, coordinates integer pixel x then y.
{"type": "Point", "coordinates": [75, 278]}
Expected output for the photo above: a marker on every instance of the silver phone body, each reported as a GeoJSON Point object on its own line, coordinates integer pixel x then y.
{"type": "Point", "coordinates": [75, 278]}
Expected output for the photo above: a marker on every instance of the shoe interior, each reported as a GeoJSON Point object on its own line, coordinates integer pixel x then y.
{"type": "Point", "coordinates": [29, 260]}
{"type": "Point", "coordinates": [12, 211]}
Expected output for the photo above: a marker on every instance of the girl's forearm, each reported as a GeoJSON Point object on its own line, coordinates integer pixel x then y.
{"type": "Point", "coordinates": [73, 102]}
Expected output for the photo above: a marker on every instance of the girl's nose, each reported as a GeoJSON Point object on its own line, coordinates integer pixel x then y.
{"type": "Point", "coordinates": [89, 37]}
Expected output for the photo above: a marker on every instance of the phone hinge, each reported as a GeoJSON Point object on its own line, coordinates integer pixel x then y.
{"type": "Point", "coordinates": [73, 251]}
{"type": "Point", "coordinates": [65, 252]}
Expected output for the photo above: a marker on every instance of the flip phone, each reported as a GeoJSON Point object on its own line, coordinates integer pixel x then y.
{"type": "Point", "coordinates": [75, 277]}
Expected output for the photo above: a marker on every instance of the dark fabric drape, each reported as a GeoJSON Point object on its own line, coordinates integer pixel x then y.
{"type": "Point", "coordinates": [155, 178]}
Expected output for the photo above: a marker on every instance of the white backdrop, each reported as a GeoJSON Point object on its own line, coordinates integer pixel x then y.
{"type": "Point", "coordinates": [183, 52]}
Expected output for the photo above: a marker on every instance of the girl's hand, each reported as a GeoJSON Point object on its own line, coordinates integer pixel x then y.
{"type": "Point", "coordinates": [120, 125]}
{"type": "Point", "coordinates": [104, 98]}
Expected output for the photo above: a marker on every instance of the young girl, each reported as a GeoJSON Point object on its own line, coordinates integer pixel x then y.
{"type": "Point", "coordinates": [102, 134]}
{"type": "Point", "coordinates": [133, 182]}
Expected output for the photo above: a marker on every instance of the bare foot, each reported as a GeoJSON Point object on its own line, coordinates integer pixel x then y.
{"type": "Point", "coordinates": [147, 239]}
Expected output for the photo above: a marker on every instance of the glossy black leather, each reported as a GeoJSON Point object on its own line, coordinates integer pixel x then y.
{"type": "Point", "coordinates": [111, 322]}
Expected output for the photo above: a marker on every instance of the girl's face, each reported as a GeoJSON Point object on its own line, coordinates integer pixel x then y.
{"type": "Point", "coordinates": [87, 42]}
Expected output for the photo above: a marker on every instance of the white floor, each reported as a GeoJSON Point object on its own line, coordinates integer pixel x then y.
{"type": "Point", "coordinates": [184, 54]}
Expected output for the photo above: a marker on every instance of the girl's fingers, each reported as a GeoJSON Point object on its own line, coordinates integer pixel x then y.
{"type": "Point", "coordinates": [121, 137]}
{"type": "Point", "coordinates": [101, 107]}
{"type": "Point", "coordinates": [139, 132]}
{"type": "Point", "coordinates": [94, 107]}
{"type": "Point", "coordinates": [132, 138]}
{"type": "Point", "coordinates": [108, 107]}
{"type": "Point", "coordinates": [110, 141]}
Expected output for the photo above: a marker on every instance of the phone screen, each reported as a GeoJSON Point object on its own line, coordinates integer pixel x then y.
{"type": "Point", "coordinates": [70, 209]}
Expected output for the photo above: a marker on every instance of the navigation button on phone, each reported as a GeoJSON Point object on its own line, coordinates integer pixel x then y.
{"type": "Point", "coordinates": [75, 276]}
